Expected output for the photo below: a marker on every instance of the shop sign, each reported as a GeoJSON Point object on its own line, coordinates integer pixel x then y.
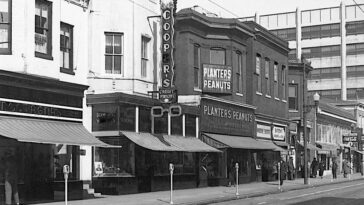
{"type": "Point", "coordinates": [225, 118]}
{"type": "Point", "coordinates": [264, 131]}
{"type": "Point", "coordinates": [167, 32]}
{"type": "Point", "coordinates": [216, 79]}
{"type": "Point", "coordinates": [350, 137]}
{"type": "Point", "coordinates": [279, 133]}
{"type": "Point", "coordinates": [35, 109]}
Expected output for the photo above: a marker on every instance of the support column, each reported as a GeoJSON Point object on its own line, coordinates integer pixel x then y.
{"type": "Point", "coordinates": [343, 50]}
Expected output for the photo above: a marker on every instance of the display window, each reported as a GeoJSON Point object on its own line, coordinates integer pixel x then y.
{"type": "Point", "coordinates": [184, 163]}
{"type": "Point", "coordinates": [111, 162]}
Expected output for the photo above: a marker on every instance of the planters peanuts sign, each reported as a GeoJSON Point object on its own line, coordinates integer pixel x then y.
{"type": "Point", "coordinates": [216, 79]}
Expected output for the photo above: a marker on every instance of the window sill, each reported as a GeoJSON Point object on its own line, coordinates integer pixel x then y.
{"type": "Point", "coordinates": [293, 111]}
{"type": "Point", "coordinates": [67, 71]}
{"type": "Point", "coordinates": [284, 101]}
{"type": "Point", "coordinates": [197, 89]}
{"type": "Point", "coordinates": [2, 52]}
{"type": "Point", "coordinates": [277, 99]}
{"type": "Point", "coordinates": [268, 96]}
{"type": "Point", "coordinates": [258, 93]}
{"type": "Point", "coordinates": [44, 56]}
{"type": "Point", "coordinates": [240, 94]}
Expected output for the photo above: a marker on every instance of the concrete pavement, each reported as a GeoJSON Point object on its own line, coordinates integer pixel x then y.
{"type": "Point", "coordinates": [199, 196]}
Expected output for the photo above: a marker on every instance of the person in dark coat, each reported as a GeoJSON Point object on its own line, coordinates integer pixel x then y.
{"type": "Point", "coordinates": [290, 169]}
{"type": "Point", "coordinates": [346, 168]}
{"type": "Point", "coordinates": [334, 168]}
{"type": "Point", "coordinates": [314, 167]}
{"type": "Point", "coordinates": [283, 170]}
{"type": "Point", "coordinates": [321, 168]}
{"type": "Point", "coordinates": [11, 180]}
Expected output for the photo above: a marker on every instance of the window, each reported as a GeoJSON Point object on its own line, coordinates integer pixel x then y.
{"type": "Point", "coordinates": [43, 29]}
{"type": "Point", "coordinates": [267, 76]}
{"type": "Point", "coordinates": [5, 26]}
{"type": "Point", "coordinates": [275, 67]}
{"type": "Point", "coordinates": [257, 71]}
{"type": "Point", "coordinates": [283, 73]}
{"type": "Point", "coordinates": [292, 97]}
{"type": "Point", "coordinates": [239, 81]}
{"type": "Point", "coordinates": [353, 28]}
{"type": "Point", "coordinates": [196, 66]}
{"type": "Point", "coordinates": [114, 53]}
{"type": "Point", "coordinates": [144, 56]}
{"type": "Point", "coordinates": [217, 56]}
{"type": "Point", "coordinates": [66, 47]}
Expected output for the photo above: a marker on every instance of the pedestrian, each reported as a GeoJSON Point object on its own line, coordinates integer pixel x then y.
{"type": "Point", "coordinates": [334, 168]}
{"type": "Point", "coordinates": [283, 170]}
{"type": "Point", "coordinates": [290, 169]}
{"type": "Point", "coordinates": [321, 168]}
{"type": "Point", "coordinates": [231, 173]}
{"type": "Point", "coordinates": [11, 180]}
{"type": "Point", "coordinates": [314, 167]}
{"type": "Point", "coordinates": [346, 168]}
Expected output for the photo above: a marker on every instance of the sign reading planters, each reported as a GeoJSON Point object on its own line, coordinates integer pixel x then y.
{"type": "Point", "coordinates": [216, 78]}
{"type": "Point", "coordinates": [226, 118]}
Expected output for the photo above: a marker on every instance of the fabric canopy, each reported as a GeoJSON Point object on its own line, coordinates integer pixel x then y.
{"type": "Point", "coordinates": [281, 143]}
{"type": "Point", "coordinates": [244, 142]}
{"type": "Point", "coordinates": [327, 146]}
{"type": "Point", "coordinates": [168, 142]}
{"type": "Point", "coordinates": [309, 146]}
{"type": "Point", "coordinates": [47, 132]}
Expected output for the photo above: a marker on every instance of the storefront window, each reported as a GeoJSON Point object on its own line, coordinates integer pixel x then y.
{"type": "Point", "coordinates": [127, 117]}
{"type": "Point", "coordinates": [160, 124]}
{"type": "Point", "coordinates": [176, 125]}
{"type": "Point", "coordinates": [144, 119]}
{"type": "Point", "coordinates": [64, 155]}
{"type": "Point", "coordinates": [190, 125]}
{"type": "Point", "coordinates": [184, 163]}
{"type": "Point", "coordinates": [104, 117]}
{"type": "Point", "coordinates": [214, 163]}
{"type": "Point", "coordinates": [115, 161]}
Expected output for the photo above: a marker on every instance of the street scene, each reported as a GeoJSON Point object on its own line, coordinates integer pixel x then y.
{"type": "Point", "coordinates": [181, 102]}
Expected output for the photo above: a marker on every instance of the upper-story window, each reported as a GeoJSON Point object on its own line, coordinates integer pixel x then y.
{"type": "Point", "coordinates": [283, 73]}
{"type": "Point", "coordinates": [43, 29]}
{"type": "Point", "coordinates": [114, 58]}
{"type": "Point", "coordinates": [266, 66]}
{"type": "Point", "coordinates": [66, 48]}
{"type": "Point", "coordinates": [197, 66]}
{"type": "Point", "coordinates": [217, 56]}
{"type": "Point", "coordinates": [275, 79]}
{"type": "Point", "coordinates": [292, 97]}
{"type": "Point", "coordinates": [239, 72]}
{"type": "Point", "coordinates": [5, 26]}
{"type": "Point", "coordinates": [257, 72]}
{"type": "Point", "coordinates": [144, 56]}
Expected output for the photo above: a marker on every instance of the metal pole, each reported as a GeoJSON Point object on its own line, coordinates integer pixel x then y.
{"type": "Point", "coordinates": [305, 181]}
{"type": "Point", "coordinates": [65, 191]}
{"type": "Point", "coordinates": [171, 167]}
{"type": "Point", "coordinates": [237, 180]}
{"type": "Point", "coordinates": [279, 175]}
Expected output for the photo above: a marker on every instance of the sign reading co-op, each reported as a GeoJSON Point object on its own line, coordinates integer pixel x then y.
{"type": "Point", "coordinates": [226, 118]}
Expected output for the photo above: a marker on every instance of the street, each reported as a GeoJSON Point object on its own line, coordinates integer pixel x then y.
{"type": "Point", "coordinates": [337, 194]}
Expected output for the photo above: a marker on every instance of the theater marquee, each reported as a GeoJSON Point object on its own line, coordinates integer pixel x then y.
{"type": "Point", "coordinates": [217, 79]}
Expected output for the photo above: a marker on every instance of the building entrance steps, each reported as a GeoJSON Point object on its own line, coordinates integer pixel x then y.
{"type": "Point", "coordinates": [208, 195]}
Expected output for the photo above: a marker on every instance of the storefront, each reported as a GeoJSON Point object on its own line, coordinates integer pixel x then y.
{"type": "Point", "coordinates": [142, 162]}
{"type": "Point", "coordinates": [41, 129]}
{"type": "Point", "coordinates": [230, 127]}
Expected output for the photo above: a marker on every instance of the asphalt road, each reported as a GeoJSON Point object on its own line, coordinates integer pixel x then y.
{"type": "Point", "coordinates": [349, 193]}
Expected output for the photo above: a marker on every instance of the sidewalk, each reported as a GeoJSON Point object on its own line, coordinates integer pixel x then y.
{"type": "Point", "coordinates": [207, 195]}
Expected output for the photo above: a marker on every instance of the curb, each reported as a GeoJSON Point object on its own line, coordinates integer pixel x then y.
{"type": "Point", "coordinates": [253, 195]}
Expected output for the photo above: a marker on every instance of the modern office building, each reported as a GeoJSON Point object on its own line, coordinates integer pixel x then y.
{"type": "Point", "coordinates": [332, 39]}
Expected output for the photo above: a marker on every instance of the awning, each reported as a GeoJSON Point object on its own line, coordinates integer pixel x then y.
{"type": "Point", "coordinates": [360, 152]}
{"type": "Point", "coordinates": [281, 144]}
{"type": "Point", "coordinates": [243, 142]}
{"type": "Point", "coordinates": [310, 146]}
{"type": "Point", "coordinates": [168, 142]}
{"type": "Point", "coordinates": [327, 146]}
{"type": "Point", "coordinates": [47, 132]}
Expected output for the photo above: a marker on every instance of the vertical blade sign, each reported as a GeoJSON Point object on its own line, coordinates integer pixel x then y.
{"type": "Point", "coordinates": [167, 43]}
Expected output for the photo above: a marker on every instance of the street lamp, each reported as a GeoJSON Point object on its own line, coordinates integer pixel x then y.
{"type": "Point", "coordinates": [307, 109]}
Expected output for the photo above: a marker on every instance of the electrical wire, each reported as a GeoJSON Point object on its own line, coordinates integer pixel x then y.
{"type": "Point", "coordinates": [358, 6]}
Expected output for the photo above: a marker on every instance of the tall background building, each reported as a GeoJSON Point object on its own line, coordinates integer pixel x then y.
{"type": "Point", "coordinates": [332, 39]}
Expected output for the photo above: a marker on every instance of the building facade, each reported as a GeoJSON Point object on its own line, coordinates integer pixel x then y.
{"type": "Point", "coordinates": [43, 71]}
{"type": "Point", "coordinates": [332, 39]}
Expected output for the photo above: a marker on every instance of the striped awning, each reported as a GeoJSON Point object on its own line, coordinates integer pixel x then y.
{"type": "Point", "coordinates": [47, 132]}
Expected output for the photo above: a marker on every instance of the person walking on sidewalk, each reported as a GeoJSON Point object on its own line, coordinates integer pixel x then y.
{"type": "Point", "coordinates": [334, 168]}
{"type": "Point", "coordinates": [283, 170]}
{"type": "Point", "coordinates": [290, 169]}
{"type": "Point", "coordinates": [346, 168]}
{"type": "Point", "coordinates": [321, 168]}
{"type": "Point", "coordinates": [314, 166]}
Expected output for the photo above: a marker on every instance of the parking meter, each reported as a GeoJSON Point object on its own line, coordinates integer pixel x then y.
{"type": "Point", "coordinates": [237, 179]}
{"type": "Point", "coordinates": [171, 168]}
{"type": "Point", "coordinates": [66, 171]}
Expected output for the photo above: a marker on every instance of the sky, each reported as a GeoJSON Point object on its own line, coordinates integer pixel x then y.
{"type": "Point", "coordinates": [245, 8]}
